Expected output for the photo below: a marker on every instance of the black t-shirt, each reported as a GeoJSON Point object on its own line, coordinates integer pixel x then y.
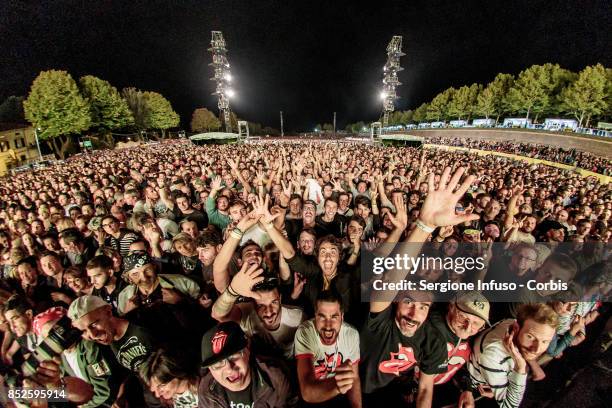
{"type": "Point", "coordinates": [134, 347]}
{"type": "Point", "coordinates": [458, 350]}
{"type": "Point", "coordinates": [335, 227]}
{"type": "Point", "coordinates": [242, 398]}
{"type": "Point", "coordinates": [386, 353]}
{"type": "Point", "coordinates": [190, 266]}
{"type": "Point", "coordinates": [111, 298]}
{"type": "Point", "coordinates": [200, 218]}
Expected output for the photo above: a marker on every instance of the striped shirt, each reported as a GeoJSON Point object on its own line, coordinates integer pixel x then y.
{"type": "Point", "coordinates": [491, 364]}
{"type": "Point", "coordinates": [122, 244]}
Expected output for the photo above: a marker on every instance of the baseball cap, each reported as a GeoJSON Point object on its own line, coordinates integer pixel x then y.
{"type": "Point", "coordinates": [83, 305]}
{"type": "Point", "coordinates": [222, 341]}
{"type": "Point", "coordinates": [474, 303]}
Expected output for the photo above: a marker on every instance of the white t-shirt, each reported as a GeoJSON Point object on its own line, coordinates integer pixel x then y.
{"type": "Point", "coordinates": [325, 358]}
{"type": "Point", "coordinates": [291, 317]}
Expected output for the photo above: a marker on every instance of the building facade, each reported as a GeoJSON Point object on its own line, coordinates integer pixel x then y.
{"type": "Point", "coordinates": [17, 146]}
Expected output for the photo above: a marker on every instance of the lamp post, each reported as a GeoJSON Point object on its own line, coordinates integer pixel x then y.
{"type": "Point", "coordinates": [37, 143]}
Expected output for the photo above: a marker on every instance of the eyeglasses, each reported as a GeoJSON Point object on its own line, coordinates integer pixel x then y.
{"type": "Point", "coordinates": [233, 359]}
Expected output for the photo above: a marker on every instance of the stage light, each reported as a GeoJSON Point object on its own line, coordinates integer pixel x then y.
{"type": "Point", "coordinates": [228, 77]}
{"type": "Point", "coordinates": [383, 95]}
{"type": "Point", "coordinates": [230, 93]}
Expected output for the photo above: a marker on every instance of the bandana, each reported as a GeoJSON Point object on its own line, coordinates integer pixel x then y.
{"type": "Point", "coordinates": [54, 313]}
{"type": "Point", "coordinates": [135, 260]}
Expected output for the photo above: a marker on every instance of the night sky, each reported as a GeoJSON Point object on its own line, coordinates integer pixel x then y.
{"type": "Point", "coordinates": [307, 58]}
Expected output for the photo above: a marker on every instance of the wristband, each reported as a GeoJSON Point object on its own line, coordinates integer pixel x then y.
{"type": "Point", "coordinates": [284, 207]}
{"type": "Point", "coordinates": [231, 291]}
{"type": "Point", "coordinates": [268, 226]}
{"type": "Point", "coordinates": [236, 235]}
{"type": "Point", "coordinates": [420, 225]}
{"type": "Point", "coordinates": [238, 230]}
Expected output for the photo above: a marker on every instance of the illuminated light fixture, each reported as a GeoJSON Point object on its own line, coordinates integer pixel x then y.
{"type": "Point", "coordinates": [390, 79]}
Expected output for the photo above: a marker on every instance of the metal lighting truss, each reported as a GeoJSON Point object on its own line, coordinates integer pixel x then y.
{"type": "Point", "coordinates": [222, 76]}
{"type": "Point", "coordinates": [390, 80]}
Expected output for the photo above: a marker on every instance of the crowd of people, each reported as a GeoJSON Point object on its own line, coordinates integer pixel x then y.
{"type": "Point", "coordinates": [572, 157]}
{"type": "Point", "coordinates": [231, 275]}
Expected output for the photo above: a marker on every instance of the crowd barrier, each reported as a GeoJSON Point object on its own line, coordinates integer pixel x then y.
{"type": "Point", "coordinates": [603, 179]}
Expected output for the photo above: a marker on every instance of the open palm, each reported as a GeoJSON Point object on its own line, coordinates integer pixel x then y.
{"type": "Point", "coordinates": [438, 210]}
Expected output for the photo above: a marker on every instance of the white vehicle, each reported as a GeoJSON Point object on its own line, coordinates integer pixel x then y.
{"type": "Point", "coordinates": [424, 125]}
{"type": "Point", "coordinates": [458, 123]}
{"type": "Point", "coordinates": [560, 124]}
{"type": "Point", "coordinates": [438, 125]}
{"type": "Point", "coordinates": [486, 123]}
{"type": "Point", "coordinates": [516, 122]}
{"type": "Point", "coordinates": [411, 126]}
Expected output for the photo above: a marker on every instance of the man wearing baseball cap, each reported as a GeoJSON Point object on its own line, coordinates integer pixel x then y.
{"type": "Point", "coordinates": [466, 316]}
{"type": "Point", "coordinates": [148, 287]}
{"type": "Point", "coordinates": [234, 377]}
{"type": "Point", "coordinates": [131, 344]}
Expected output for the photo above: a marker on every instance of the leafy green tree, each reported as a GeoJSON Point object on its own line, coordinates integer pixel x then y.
{"type": "Point", "coordinates": [535, 89]}
{"type": "Point", "coordinates": [438, 107]}
{"type": "Point", "coordinates": [491, 101]}
{"type": "Point", "coordinates": [137, 104]}
{"type": "Point", "coordinates": [255, 128]}
{"type": "Point", "coordinates": [109, 111]}
{"type": "Point", "coordinates": [406, 117]}
{"type": "Point", "coordinates": [559, 78]}
{"type": "Point", "coordinates": [586, 96]}
{"type": "Point", "coordinates": [464, 101]}
{"type": "Point", "coordinates": [160, 114]}
{"type": "Point", "coordinates": [11, 110]}
{"type": "Point", "coordinates": [328, 127]}
{"type": "Point", "coordinates": [204, 120]}
{"type": "Point", "coordinates": [420, 113]}
{"type": "Point", "coordinates": [56, 106]}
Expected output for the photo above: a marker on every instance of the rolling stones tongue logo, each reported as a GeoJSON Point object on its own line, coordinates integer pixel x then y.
{"type": "Point", "coordinates": [401, 361]}
{"type": "Point", "coordinates": [457, 357]}
{"type": "Point", "coordinates": [326, 366]}
{"type": "Point", "coordinates": [218, 341]}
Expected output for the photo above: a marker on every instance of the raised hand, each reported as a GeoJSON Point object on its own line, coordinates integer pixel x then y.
{"type": "Point", "coordinates": [248, 276]}
{"type": "Point", "coordinates": [215, 184]}
{"type": "Point", "coordinates": [298, 285]}
{"type": "Point", "coordinates": [400, 219]}
{"type": "Point", "coordinates": [438, 210]}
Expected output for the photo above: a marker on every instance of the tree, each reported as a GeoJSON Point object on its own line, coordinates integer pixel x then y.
{"type": "Point", "coordinates": [535, 89]}
{"type": "Point", "coordinates": [420, 113]}
{"type": "Point", "coordinates": [559, 79]}
{"type": "Point", "coordinates": [254, 128]}
{"type": "Point", "coordinates": [328, 127]}
{"type": "Point", "coordinates": [138, 106]}
{"type": "Point", "coordinates": [463, 102]}
{"type": "Point", "coordinates": [56, 106]}
{"type": "Point", "coordinates": [586, 96]}
{"type": "Point", "coordinates": [160, 114]}
{"type": "Point", "coordinates": [406, 117]}
{"type": "Point", "coordinates": [109, 111]}
{"type": "Point", "coordinates": [491, 99]}
{"type": "Point", "coordinates": [204, 120]}
{"type": "Point", "coordinates": [11, 110]}
{"type": "Point", "coordinates": [438, 107]}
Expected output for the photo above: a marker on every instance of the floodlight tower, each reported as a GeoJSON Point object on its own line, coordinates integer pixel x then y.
{"type": "Point", "coordinates": [390, 80]}
{"type": "Point", "coordinates": [222, 77]}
